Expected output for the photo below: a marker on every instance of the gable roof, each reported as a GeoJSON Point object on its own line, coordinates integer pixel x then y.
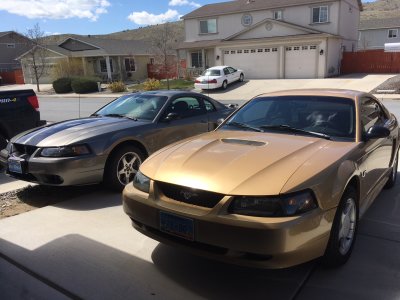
{"type": "Point", "coordinates": [238, 6]}
{"type": "Point", "coordinates": [3, 33]}
{"type": "Point", "coordinates": [379, 23]}
{"type": "Point", "coordinates": [287, 24]}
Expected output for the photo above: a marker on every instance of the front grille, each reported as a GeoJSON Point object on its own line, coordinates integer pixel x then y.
{"type": "Point", "coordinates": [24, 149]}
{"type": "Point", "coordinates": [189, 195]}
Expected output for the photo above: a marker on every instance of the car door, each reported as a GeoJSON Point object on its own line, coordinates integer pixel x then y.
{"type": "Point", "coordinates": [189, 119]}
{"type": "Point", "coordinates": [234, 73]}
{"type": "Point", "coordinates": [227, 75]}
{"type": "Point", "coordinates": [377, 152]}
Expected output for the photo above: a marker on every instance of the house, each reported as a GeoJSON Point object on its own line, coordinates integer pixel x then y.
{"type": "Point", "coordinates": [375, 33]}
{"type": "Point", "coordinates": [12, 45]}
{"type": "Point", "coordinates": [272, 38]}
{"type": "Point", "coordinates": [107, 59]}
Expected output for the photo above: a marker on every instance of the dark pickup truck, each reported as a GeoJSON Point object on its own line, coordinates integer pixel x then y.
{"type": "Point", "coordinates": [19, 111]}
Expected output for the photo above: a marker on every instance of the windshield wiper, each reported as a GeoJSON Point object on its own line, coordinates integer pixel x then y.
{"type": "Point", "coordinates": [242, 125]}
{"type": "Point", "coordinates": [296, 130]}
{"type": "Point", "coordinates": [120, 116]}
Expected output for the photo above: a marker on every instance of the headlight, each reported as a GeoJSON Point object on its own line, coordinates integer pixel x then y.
{"type": "Point", "coordinates": [279, 206]}
{"type": "Point", "coordinates": [66, 151]}
{"type": "Point", "coordinates": [141, 182]}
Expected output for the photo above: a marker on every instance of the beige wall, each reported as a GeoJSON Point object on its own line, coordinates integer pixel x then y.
{"type": "Point", "coordinates": [334, 56]}
{"type": "Point", "coordinates": [349, 20]}
{"type": "Point", "coordinates": [228, 25]}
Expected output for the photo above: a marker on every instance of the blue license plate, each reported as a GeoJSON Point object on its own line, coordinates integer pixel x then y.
{"type": "Point", "coordinates": [14, 165]}
{"type": "Point", "coordinates": [176, 225]}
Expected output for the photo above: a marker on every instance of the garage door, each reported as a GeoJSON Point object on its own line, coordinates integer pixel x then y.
{"type": "Point", "coordinates": [301, 61]}
{"type": "Point", "coordinates": [255, 62]}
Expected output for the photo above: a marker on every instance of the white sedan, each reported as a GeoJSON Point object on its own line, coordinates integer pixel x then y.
{"type": "Point", "coordinates": [217, 77]}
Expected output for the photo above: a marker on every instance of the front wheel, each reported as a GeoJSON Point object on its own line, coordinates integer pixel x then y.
{"type": "Point", "coordinates": [241, 78]}
{"type": "Point", "coordinates": [122, 166]}
{"type": "Point", "coordinates": [344, 230]}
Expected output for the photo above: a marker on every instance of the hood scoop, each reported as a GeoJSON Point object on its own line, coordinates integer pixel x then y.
{"type": "Point", "coordinates": [243, 142]}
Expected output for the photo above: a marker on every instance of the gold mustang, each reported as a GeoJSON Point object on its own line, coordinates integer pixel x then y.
{"type": "Point", "coordinates": [281, 181]}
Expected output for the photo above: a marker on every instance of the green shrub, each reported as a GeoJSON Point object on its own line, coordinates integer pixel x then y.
{"type": "Point", "coordinates": [62, 85]}
{"type": "Point", "coordinates": [82, 85]}
{"type": "Point", "coordinates": [117, 87]}
{"type": "Point", "coordinates": [151, 84]}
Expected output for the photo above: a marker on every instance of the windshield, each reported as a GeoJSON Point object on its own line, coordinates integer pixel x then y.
{"type": "Point", "coordinates": [330, 116]}
{"type": "Point", "coordinates": [139, 106]}
{"type": "Point", "coordinates": [211, 73]}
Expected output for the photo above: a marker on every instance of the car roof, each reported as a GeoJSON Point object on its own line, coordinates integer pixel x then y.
{"type": "Point", "coordinates": [351, 94]}
{"type": "Point", "coordinates": [167, 93]}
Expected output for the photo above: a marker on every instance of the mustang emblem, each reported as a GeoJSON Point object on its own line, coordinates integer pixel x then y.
{"type": "Point", "coordinates": [187, 195]}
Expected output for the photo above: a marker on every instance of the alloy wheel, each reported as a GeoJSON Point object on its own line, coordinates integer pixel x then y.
{"type": "Point", "coordinates": [347, 226]}
{"type": "Point", "coordinates": [127, 167]}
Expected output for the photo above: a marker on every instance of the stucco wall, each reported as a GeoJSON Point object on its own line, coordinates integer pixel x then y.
{"type": "Point", "coordinates": [228, 25]}
{"type": "Point", "coordinates": [349, 19]}
{"type": "Point", "coordinates": [334, 56]}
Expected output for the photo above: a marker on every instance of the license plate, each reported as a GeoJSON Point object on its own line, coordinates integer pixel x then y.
{"type": "Point", "coordinates": [176, 225]}
{"type": "Point", "coordinates": [15, 165]}
{"type": "Point", "coordinates": [204, 81]}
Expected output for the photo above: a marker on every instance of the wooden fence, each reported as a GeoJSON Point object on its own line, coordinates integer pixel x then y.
{"type": "Point", "coordinates": [12, 77]}
{"type": "Point", "coordinates": [371, 61]}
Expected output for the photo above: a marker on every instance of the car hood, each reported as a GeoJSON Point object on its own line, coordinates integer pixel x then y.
{"type": "Point", "coordinates": [234, 162]}
{"type": "Point", "coordinates": [73, 131]}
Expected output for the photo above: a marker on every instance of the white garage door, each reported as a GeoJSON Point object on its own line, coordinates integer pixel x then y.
{"type": "Point", "coordinates": [255, 62]}
{"type": "Point", "coordinates": [301, 61]}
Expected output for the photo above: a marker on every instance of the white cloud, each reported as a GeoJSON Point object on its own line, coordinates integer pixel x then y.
{"type": "Point", "coordinates": [145, 18]}
{"type": "Point", "coordinates": [182, 3]}
{"type": "Point", "coordinates": [56, 9]}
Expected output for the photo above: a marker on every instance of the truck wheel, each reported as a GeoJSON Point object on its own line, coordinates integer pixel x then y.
{"type": "Point", "coordinates": [122, 166]}
{"type": "Point", "coordinates": [393, 174]}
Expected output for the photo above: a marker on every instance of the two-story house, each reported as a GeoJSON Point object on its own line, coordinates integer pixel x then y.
{"type": "Point", "coordinates": [12, 45]}
{"type": "Point", "coordinates": [273, 38]}
{"type": "Point", "coordinates": [375, 33]}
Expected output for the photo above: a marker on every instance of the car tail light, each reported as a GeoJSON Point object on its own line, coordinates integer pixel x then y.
{"type": "Point", "coordinates": [197, 81]}
{"type": "Point", "coordinates": [33, 100]}
{"type": "Point", "coordinates": [212, 81]}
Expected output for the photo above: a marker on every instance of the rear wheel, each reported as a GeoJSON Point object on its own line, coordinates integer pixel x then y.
{"type": "Point", "coordinates": [224, 85]}
{"type": "Point", "coordinates": [122, 166]}
{"type": "Point", "coordinates": [344, 230]}
{"type": "Point", "coordinates": [393, 174]}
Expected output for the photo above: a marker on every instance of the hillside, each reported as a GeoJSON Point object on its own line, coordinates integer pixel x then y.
{"type": "Point", "coordinates": [381, 9]}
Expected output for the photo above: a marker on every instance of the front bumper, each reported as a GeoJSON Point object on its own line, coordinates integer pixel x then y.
{"type": "Point", "coordinates": [243, 240]}
{"type": "Point", "coordinates": [61, 171]}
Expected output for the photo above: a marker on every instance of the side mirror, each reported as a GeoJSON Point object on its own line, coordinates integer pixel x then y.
{"type": "Point", "coordinates": [171, 116]}
{"type": "Point", "coordinates": [377, 132]}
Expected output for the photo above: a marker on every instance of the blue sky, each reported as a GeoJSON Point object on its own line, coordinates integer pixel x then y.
{"type": "Point", "coordinates": [91, 16]}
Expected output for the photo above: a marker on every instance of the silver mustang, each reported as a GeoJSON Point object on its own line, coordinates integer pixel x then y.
{"type": "Point", "coordinates": [111, 144]}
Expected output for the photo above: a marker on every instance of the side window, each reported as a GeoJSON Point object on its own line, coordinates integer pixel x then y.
{"type": "Point", "coordinates": [232, 70]}
{"type": "Point", "coordinates": [209, 106]}
{"type": "Point", "coordinates": [371, 114]}
{"type": "Point", "coordinates": [226, 71]}
{"type": "Point", "coordinates": [186, 107]}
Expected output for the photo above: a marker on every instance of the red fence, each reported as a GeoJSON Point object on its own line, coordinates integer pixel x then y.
{"type": "Point", "coordinates": [371, 61]}
{"type": "Point", "coordinates": [12, 77]}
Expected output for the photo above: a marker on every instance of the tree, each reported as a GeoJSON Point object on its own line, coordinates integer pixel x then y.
{"type": "Point", "coordinates": [37, 53]}
{"type": "Point", "coordinates": [164, 42]}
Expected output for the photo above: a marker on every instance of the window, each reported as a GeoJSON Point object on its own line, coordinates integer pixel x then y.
{"type": "Point", "coordinates": [103, 66]}
{"type": "Point", "coordinates": [274, 49]}
{"type": "Point", "coordinates": [209, 106]}
{"type": "Point", "coordinates": [239, 51]}
{"type": "Point", "coordinates": [186, 107]}
{"type": "Point", "coordinates": [392, 33]}
{"type": "Point", "coordinates": [226, 52]}
{"type": "Point", "coordinates": [152, 60]}
{"type": "Point", "coordinates": [296, 48]}
{"type": "Point", "coordinates": [130, 64]}
{"type": "Point", "coordinates": [247, 20]}
{"type": "Point", "coordinates": [233, 52]}
{"type": "Point", "coordinates": [11, 45]}
{"type": "Point", "coordinates": [259, 50]}
{"type": "Point", "coordinates": [232, 70]}
{"type": "Point", "coordinates": [226, 71]}
{"type": "Point", "coordinates": [288, 48]}
{"type": "Point", "coordinates": [246, 51]}
{"type": "Point", "coordinates": [320, 14]}
{"type": "Point", "coordinates": [371, 114]}
{"type": "Point", "coordinates": [304, 48]}
{"type": "Point", "coordinates": [313, 47]}
{"type": "Point", "coordinates": [197, 59]}
{"type": "Point", "coordinates": [253, 50]}
{"type": "Point", "coordinates": [278, 15]}
{"type": "Point", "coordinates": [208, 26]}
{"type": "Point", "coordinates": [267, 50]}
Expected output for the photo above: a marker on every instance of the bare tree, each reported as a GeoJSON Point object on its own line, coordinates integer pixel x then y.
{"type": "Point", "coordinates": [164, 42]}
{"type": "Point", "coordinates": [36, 61]}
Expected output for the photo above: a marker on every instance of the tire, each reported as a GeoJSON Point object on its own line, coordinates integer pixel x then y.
{"type": "Point", "coordinates": [241, 78]}
{"type": "Point", "coordinates": [224, 85]}
{"type": "Point", "coordinates": [344, 230]}
{"type": "Point", "coordinates": [122, 166]}
{"type": "Point", "coordinates": [393, 174]}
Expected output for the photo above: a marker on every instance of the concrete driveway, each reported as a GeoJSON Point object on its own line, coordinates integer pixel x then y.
{"type": "Point", "coordinates": [86, 248]}
{"type": "Point", "coordinates": [248, 89]}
